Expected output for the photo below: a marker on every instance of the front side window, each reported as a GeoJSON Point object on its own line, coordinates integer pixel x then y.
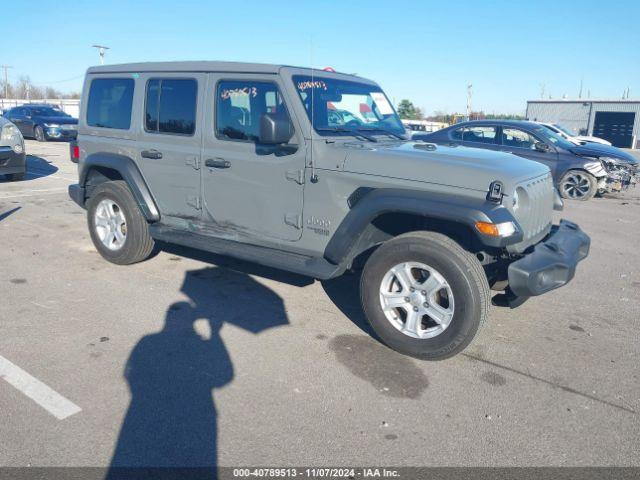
{"type": "Point", "coordinates": [239, 106]}
{"type": "Point", "coordinates": [110, 101]}
{"type": "Point", "coordinates": [514, 137]}
{"type": "Point", "coordinates": [338, 107]}
{"type": "Point", "coordinates": [171, 106]}
{"type": "Point", "coordinates": [457, 134]}
{"type": "Point", "coordinates": [480, 134]}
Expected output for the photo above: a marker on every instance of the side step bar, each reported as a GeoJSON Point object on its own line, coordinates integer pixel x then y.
{"type": "Point", "coordinates": [301, 264]}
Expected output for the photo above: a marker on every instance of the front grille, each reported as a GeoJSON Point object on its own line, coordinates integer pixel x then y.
{"type": "Point", "coordinates": [535, 213]}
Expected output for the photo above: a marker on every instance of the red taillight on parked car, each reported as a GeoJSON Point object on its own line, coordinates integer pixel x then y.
{"type": "Point", "coordinates": [75, 153]}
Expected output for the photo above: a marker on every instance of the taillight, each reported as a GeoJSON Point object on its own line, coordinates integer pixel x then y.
{"type": "Point", "coordinates": [75, 152]}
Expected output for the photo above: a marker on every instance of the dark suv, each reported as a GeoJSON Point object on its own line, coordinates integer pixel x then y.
{"type": "Point", "coordinates": [43, 122]}
{"type": "Point", "coordinates": [579, 171]}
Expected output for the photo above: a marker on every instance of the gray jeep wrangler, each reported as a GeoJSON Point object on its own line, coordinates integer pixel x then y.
{"type": "Point", "coordinates": [309, 171]}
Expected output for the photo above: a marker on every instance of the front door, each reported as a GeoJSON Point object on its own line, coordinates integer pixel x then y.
{"type": "Point", "coordinates": [170, 141]}
{"type": "Point", "coordinates": [522, 143]}
{"type": "Point", "coordinates": [250, 189]}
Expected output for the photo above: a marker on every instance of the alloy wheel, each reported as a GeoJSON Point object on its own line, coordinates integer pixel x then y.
{"type": "Point", "coordinates": [417, 300]}
{"type": "Point", "coordinates": [111, 225]}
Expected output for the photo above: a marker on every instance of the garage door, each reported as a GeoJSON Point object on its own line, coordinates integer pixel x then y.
{"type": "Point", "coordinates": [617, 127]}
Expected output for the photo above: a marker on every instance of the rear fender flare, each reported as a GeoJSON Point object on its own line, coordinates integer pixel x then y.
{"type": "Point", "coordinates": [130, 173]}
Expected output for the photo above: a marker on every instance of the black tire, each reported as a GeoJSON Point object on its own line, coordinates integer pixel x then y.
{"type": "Point", "coordinates": [39, 134]}
{"type": "Point", "coordinates": [578, 185]}
{"type": "Point", "coordinates": [462, 271]}
{"type": "Point", "coordinates": [15, 177]}
{"type": "Point", "coordinates": [138, 244]}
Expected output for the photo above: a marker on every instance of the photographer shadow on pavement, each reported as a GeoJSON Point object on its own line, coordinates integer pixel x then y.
{"type": "Point", "coordinates": [170, 429]}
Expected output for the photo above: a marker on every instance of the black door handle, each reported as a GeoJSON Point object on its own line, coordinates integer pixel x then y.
{"type": "Point", "coordinates": [154, 154]}
{"type": "Point", "coordinates": [217, 163]}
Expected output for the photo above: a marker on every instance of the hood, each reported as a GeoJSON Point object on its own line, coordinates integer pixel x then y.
{"type": "Point", "coordinates": [59, 120]}
{"type": "Point", "coordinates": [464, 167]}
{"type": "Point", "coordinates": [600, 150]}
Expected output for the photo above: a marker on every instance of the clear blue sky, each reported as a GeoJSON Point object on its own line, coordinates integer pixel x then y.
{"type": "Point", "coordinates": [423, 50]}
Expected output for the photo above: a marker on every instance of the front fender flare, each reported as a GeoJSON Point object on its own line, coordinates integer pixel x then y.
{"type": "Point", "coordinates": [130, 173]}
{"type": "Point", "coordinates": [464, 210]}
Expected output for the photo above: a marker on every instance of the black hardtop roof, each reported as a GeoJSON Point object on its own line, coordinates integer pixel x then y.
{"type": "Point", "coordinates": [215, 66]}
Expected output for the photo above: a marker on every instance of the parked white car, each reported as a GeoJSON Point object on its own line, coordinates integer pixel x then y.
{"type": "Point", "coordinates": [577, 139]}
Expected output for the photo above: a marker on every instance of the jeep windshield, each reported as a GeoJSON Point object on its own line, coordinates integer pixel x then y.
{"type": "Point", "coordinates": [343, 107]}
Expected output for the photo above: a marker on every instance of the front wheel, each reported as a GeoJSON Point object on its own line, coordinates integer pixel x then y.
{"type": "Point", "coordinates": [424, 295]}
{"type": "Point", "coordinates": [118, 229]}
{"type": "Point", "coordinates": [38, 132]}
{"type": "Point", "coordinates": [578, 185]}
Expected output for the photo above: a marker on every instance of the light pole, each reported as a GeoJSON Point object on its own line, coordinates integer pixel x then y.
{"type": "Point", "coordinates": [101, 49]}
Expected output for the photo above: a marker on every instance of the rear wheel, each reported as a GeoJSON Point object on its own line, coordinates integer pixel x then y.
{"type": "Point", "coordinates": [38, 132]}
{"type": "Point", "coordinates": [118, 229]}
{"type": "Point", "coordinates": [578, 185]}
{"type": "Point", "coordinates": [424, 295]}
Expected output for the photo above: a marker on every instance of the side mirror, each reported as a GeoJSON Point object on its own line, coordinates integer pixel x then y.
{"type": "Point", "coordinates": [542, 147]}
{"type": "Point", "coordinates": [275, 129]}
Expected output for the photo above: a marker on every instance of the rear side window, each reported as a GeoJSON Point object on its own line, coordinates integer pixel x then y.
{"type": "Point", "coordinates": [110, 101]}
{"type": "Point", "coordinates": [171, 106]}
{"type": "Point", "coordinates": [480, 134]}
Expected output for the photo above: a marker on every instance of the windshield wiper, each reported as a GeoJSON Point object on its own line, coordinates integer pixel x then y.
{"type": "Point", "coordinates": [387, 132]}
{"type": "Point", "coordinates": [347, 130]}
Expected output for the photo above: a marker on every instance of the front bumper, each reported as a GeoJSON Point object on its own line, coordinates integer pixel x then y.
{"type": "Point", "coordinates": [60, 133]}
{"type": "Point", "coordinates": [12, 162]}
{"type": "Point", "coordinates": [551, 264]}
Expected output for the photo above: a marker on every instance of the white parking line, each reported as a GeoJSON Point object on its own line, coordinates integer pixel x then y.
{"type": "Point", "coordinates": [43, 395]}
{"type": "Point", "coordinates": [35, 193]}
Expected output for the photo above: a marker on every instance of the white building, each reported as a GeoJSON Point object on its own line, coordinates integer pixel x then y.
{"type": "Point", "coordinates": [67, 105]}
{"type": "Point", "coordinates": [615, 120]}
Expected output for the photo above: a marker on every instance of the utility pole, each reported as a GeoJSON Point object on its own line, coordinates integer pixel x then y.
{"type": "Point", "coordinates": [101, 49]}
{"type": "Point", "coordinates": [543, 87]}
{"type": "Point", "coordinates": [6, 80]}
{"type": "Point", "coordinates": [580, 92]}
{"type": "Point", "coordinates": [469, 93]}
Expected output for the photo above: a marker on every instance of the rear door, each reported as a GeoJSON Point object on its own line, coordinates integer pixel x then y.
{"type": "Point", "coordinates": [18, 117]}
{"type": "Point", "coordinates": [481, 136]}
{"type": "Point", "coordinates": [251, 189]}
{"type": "Point", "coordinates": [169, 144]}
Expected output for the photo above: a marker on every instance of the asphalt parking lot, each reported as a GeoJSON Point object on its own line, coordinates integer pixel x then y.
{"type": "Point", "coordinates": [245, 365]}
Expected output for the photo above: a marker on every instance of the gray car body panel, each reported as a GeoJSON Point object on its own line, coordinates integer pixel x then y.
{"type": "Point", "coordinates": [267, 200]}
